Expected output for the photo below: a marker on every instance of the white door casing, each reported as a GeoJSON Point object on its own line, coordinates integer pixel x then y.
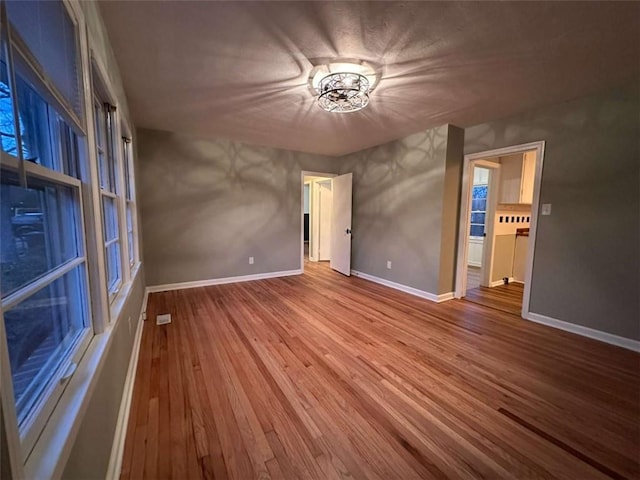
{"type": "Point", "coordinates": [463, 231]}
{"type": "Point", "coordinates": [341, 224]}
{"type": "Point", "coordinates": [325, 207]}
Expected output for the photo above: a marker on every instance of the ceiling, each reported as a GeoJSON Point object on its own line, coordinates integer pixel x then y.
{"type": "Point", "coordinates": [239, 70]}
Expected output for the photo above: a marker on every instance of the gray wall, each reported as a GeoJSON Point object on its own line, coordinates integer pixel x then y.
{"type": "Point", "coordinates": [450, 210]}
{"type": "Point", "coordinates": [405, 196]}
{"type": "Point", "coordinates": [90, 454]}
{"type": "Point", "coordinates": [587, 263]}
{"type": "Point", "coordinates": [207, 205]}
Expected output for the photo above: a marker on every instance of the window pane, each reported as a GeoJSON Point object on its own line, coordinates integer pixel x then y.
{"type": "Point", "coordinates": [46, 138]}
{"type": "Point", "coordinates": [131, 250]}
{"type": "Point", "coordinates": [113, 266]}
{"type": "Point", "coordinates": [479, 191]}
{"type": "Point", "coordinates": [50, 34]}
{"type": "Point", "coordinates": [477, 217]}
{"type": "Point", "coordinates": [477, 230]}
{"type": "Point", "coordinates": [127, 166]}
{"type": "Point", "coordinates": [110, 214]}
{"type": "Point", "coordinates": [106, 153]}
{"type": "Point", "coordinates": [111, 154]}
{"type": "Point", "coordinates": [70, 150]}
{"type": "Point", "coordinates": [99, 124]}
{"type": "Point", "coordinates": [129, 218]}
{"type": "Point", "coordinates": [479, 205]}
{"type": "Point", "coordinates": [41, 333]}
{"type": "Point", "coordinates": [39, 229]}
{"type": "Point", "coordinates": [130, 233]}
{"type": "Point", "coordinates": [7, 125]}
{"type": "Point", "coordinates": [37, 138]}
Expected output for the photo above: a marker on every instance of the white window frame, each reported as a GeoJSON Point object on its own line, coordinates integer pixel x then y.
{"type": "Point", "coordinates": [484, 225]}
{"type": "Point", "coordinates": [55, 440]}
{"type": "Point", "coordinates": [130, 200]}
{"type": "Point", "coordinates": [55, 386]}
{"type": "Point", "coordinates": [104, 117]}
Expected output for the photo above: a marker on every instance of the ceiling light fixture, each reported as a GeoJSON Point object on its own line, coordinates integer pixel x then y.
{"type": "Point", "coordinates": [343, 86]}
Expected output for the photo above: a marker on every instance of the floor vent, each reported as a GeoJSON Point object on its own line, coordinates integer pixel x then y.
{"type": "Point", "coordinates": [163, 319]}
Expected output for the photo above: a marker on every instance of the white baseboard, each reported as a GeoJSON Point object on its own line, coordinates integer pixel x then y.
{"type": "Point", "coordinates": [404, 288]}
{"type": "Point", "coordinates": [145, 300]}
{"type": "Point", "coordinates": [119, 438]}
{"type": "Point", "coordinates": [501, 282]}
{"type": "Point", "coordinates": [585, 331]}
{"type": "Point", "coordinates": [443, 297]}
{"type": "Point", "coordinates": [221, 281]}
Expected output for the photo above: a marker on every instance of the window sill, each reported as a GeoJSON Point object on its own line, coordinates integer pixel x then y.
{"type": "Point", "coordinates": [117, 305]}
{"type": "Point", "coordinates": [51, 452]}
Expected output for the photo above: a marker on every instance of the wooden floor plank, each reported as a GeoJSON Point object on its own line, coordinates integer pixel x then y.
{"type": "Point", "coordinates": [507, 298]}
{"type": "Point", "coordinates": [324, 376]}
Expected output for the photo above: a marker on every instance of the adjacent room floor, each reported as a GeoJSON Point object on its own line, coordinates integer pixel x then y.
{"type": "Point", "coordinates": [325, 376]}
{"type": "Point", "coordinates": [507, 298]}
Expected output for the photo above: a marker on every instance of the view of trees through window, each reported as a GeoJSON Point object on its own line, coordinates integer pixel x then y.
{"type": "Point", "coordinates": [49, 210]}
{"type": "Point", "coordinates": [42, 263]}
{"type": "Point", "coordinates": [479, 201]}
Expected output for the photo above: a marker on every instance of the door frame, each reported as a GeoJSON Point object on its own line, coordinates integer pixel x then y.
{"type": "Point", "coordinates": [486, 268]}
{"type": "Point", "coordinates": [307, 173]}
{"type": "Point", "coordinates": [323, 219]}
{"type": "Point", "coordinates": [465, 198]}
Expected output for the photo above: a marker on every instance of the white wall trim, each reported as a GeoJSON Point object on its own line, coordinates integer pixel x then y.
{"type": "Point", "coordinates": [221, 281]}
{"type": "Point", "coordinates": [404, 288]}
{"type": "Point", "coordinates": [443, 297]}
{"type": "Point", "coordinates": [497, 283]}
{"type": "Point", "coordinates": [145, 300]}
{"type": "Point", "coordinates": [308, 173]}
{"type": "Point", "coordinates": [119, 438]}
{"type": "Point", "coordinates": [610, 338]}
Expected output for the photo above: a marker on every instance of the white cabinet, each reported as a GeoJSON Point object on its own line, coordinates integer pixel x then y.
{"type": "Point", "coordinates": [516, 178]}
{"type": "Point", "coordinates": [474, 258]}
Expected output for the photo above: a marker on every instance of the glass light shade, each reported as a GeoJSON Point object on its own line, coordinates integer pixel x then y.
{"type": "Point", "coordinates": [343, 92]}
{"type": "Point", "coordinates": [343, 86]}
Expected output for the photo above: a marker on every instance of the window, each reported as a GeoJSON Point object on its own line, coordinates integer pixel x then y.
{"type": "Point", "coordinates": [479, 201]}
{"type": "Point", "coordinates": [44, 289]}
{"type": "Point", "coordinates": [109, 192]}
{"type": "Point", "coordinates": [43, 264]}
{"type": "Point", "coordinates": [131, 211]}
{"type": "Point", "coordinates": [53, 282]}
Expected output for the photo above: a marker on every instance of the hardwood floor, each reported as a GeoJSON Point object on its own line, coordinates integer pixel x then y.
{"type": "Point", "coordinates": [473, 277]}
{"type": "Point", "coordinates": [507, 298]}
{"type": "Point", "coordinates": [324, 376]}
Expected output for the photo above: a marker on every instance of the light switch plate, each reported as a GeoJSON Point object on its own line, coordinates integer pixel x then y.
{"type": "Point", "coordinates": [546, 209]}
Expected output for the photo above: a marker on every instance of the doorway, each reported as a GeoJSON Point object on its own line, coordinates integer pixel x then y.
{"type": "Point", "coordinates": [498, 212]}
{"type": "Point", "coordinates": [326, 220]}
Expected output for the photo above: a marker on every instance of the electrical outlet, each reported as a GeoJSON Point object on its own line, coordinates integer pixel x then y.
{"type": "Point", "coordinates": [389, 264]}
{"type": "Point", "coordinates": [546, 209]}
{"type": "Point", "coordinates": [250, 260]}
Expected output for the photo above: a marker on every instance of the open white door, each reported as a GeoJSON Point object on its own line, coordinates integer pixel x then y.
{"type": "Point", "coordinates": [341, 224]}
